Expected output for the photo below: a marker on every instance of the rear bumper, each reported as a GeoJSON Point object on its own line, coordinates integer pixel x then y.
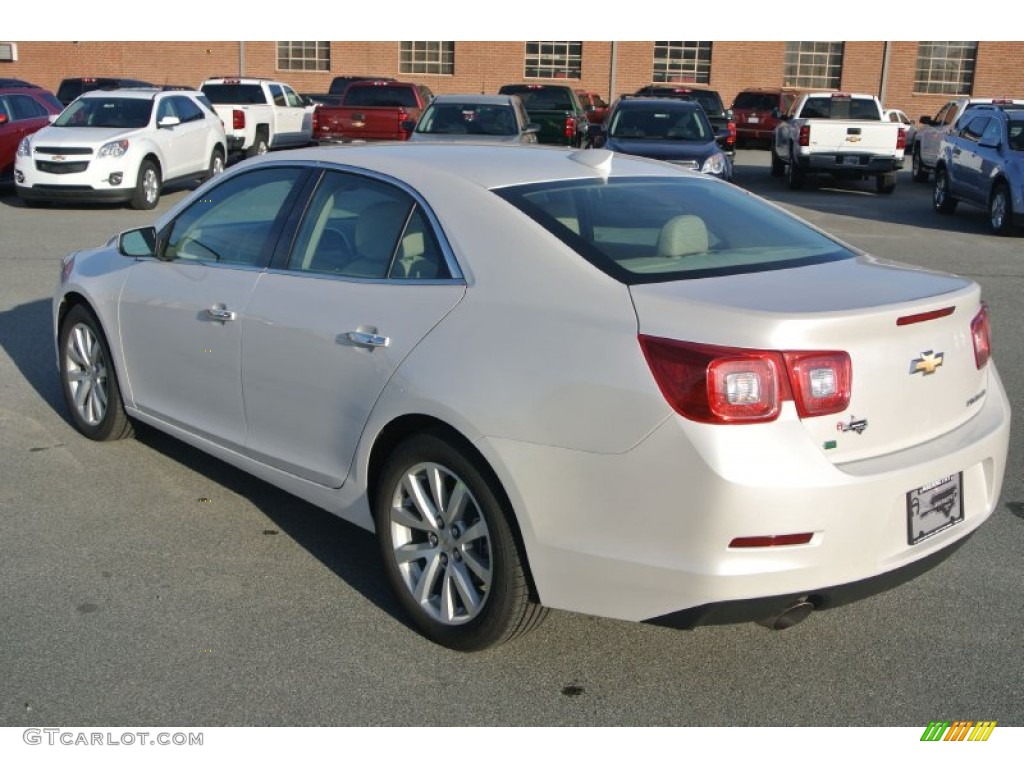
{"type": "Point", "coordinates": [841, 163]}
{"type": "Point", "coordinates": [645, 535]}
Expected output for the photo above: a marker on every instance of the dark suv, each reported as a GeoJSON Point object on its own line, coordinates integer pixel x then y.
{"type": "Point", "coordinates": [72, 87]}
{"type": "Point", "coordinates": [708, 99]}
{"type": "Point", "coordinates": [982, 164]}
{"type": "Point", "coordinates": [756, 112]}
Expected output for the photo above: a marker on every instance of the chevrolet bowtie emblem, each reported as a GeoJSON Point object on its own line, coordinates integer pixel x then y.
{"type": "Point", "coordinates": [926, 363]}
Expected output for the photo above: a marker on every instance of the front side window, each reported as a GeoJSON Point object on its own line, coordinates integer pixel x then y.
{"type": "Point", "coordinates": [364, 228]}
{"type": "Point", "coordinates": [945, 67]}
{"type": "Point", "coordinates": [304, 56]}
{"type": "Point", "coordinates": [813, 65]}
{"type": "Point", "coordinates": [553, 58]}
{"type": "Point", "coordinates": [641, 230]}
{"type": "Point", "coordinates": [234, 222]}
{"type": "Point", "coordinates": [974, 128]}
{"type": "Point", "coordinates": [21, 107]}
{"type": "Point", "coordinates": [426, 58]}
{"type": "Point", "coordinates": [682, 61]}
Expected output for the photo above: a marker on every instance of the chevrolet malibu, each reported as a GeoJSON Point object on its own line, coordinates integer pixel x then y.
{"type": "Point", "coordinates": [552, 378]}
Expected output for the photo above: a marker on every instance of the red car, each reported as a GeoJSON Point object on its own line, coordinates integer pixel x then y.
{"type": "Point", "coordinates": [596, 107]}
{"type": "Point", "coordinates": [24, 109]}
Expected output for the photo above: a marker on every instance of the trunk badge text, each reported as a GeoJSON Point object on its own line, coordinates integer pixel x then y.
{"type": "Point", "coordinates": [853, 425]}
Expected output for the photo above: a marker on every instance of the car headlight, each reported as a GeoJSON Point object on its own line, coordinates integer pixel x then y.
{"type": "Point", "coordinates": [113, 149]}
{"type": "Point", "coordinates": [25, 147]}
{"type": "Point", "coordinates": [715, 165]}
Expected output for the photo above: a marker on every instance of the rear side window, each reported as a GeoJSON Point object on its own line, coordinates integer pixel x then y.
{"type": "Point", "coordinates": [642, 230]}
{"type": "Point", "coordinates": [234, 93]}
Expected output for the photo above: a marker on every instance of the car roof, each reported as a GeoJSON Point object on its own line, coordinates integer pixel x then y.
{"type": "Point", "coordinates": [129, 93]}
{"type": "Point", "coordinates": [429, 165]}
{"type": "Point", "coordinates": [650, 102]}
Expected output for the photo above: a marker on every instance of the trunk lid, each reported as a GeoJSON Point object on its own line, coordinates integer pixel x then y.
{"type": "Point", "coordinates": [914, 375]}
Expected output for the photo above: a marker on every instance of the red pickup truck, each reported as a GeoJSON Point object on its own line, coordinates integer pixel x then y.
{"type": "Point", "coordinates": [371, 110]}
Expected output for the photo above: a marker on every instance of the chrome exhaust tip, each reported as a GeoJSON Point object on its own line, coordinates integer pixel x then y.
{"type": "Point", "coordinates": [789, 617]}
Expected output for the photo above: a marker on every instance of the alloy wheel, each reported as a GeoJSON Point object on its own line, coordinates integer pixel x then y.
{"type": "Point", "coordinates": [87, 374]}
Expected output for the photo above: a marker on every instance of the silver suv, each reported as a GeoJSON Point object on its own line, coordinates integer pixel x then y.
{"type": "Point", "coordinates": [925, 152]}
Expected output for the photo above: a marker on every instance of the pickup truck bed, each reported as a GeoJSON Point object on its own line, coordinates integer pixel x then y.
{"type": "Point", "coordinates": [371, 111]}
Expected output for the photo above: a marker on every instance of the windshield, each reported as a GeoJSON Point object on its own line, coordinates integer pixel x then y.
{"type": "Point", "coordinates": [639, 122]}
{"type": "Point", "coordinates": [642, 230]}
{"type": "Point", "coordinates": [468, 118]}
{"type": "Point", "coordinates": [109, 112]}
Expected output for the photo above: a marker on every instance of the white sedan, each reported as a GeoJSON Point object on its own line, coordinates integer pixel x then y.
{"type": "Point", "coordinates": [121, 146]}
{"type": "Point", "coordinates": [552, 378]}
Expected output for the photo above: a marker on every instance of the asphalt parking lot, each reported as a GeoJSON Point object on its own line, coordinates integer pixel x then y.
{"type": "Point", "coordinates": [145, 583]}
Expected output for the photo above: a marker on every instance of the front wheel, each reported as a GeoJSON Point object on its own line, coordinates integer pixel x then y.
{"type": "Point", "coordinates": [942, 201]}
{"type": "Point", "coordinates": [88, 378]}
{"type": "Point", "coordinates": [448, 548]}
{"type": "Point", "coordinates": [216, 164]}
{"type": "Point", "coordinates": [147, 187]}
{"type": "Point", "coordinates": [1000, 210]}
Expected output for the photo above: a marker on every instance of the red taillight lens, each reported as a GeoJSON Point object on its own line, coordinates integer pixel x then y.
{"type": "Point", "coordinates": [980, 330]}
{"type": "Point", "coordinates": [731, 141]}
{"type": "Point", "coordinates": [570, 127]}
{"type": "Point", "coordinates": [724, 385]}
{"type": "Point", "coordinates": [821, 381]}
{"type": "Point", "coordinates": [316, 120]}
{"type": "Point", "coordinates": [237, 119]}
{"type": "Point", "coordinates": [901, 139]}
{"type": "Point", "coordinates": [716, 385]}
{"type": "Point", "coordinates": [805, 135]}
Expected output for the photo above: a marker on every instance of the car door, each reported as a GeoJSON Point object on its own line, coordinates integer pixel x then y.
{"type": "Point", "coordinates": [192, 144]}
{"type": "Point", "coordinates": [932, 138]}
{"type": "Point", "coordinates": [181, 315]}
{"type": "Point", "coordinates": [964, 160]}
{"type": "Point", "coordinates": [366, 280]}
{"type": "Point", "coordinates": [288, 115]}
{"type": "Point", "coordinates": [990, 157]}
{"type": "Point", "coordinates": [20, 115]}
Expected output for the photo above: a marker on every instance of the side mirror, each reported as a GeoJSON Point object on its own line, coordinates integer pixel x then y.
{"type": "Point", "coordinates": [776, 113]}
{"type": "Point", "coordinates": [168, 122]}
{"type": "Point", "coordinates": [992, 143]}
{"type": "Point", "coordinates": [4, 119]}
{"type": "Point", "coordinates": [532, 128]}
{"type": "Point", "coordinates": [137, 243]}
{"type": "Point", "coordinates": [728, 114]}
{"type": "Point", "coordinates": [408, 126]}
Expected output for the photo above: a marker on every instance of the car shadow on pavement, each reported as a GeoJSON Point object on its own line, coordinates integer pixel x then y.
{"type": "Point", "coordinates": [346, 549]}
{"type": "Point", "coordinates": [27, 338]}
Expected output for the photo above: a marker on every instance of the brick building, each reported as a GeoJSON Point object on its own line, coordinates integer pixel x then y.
{"type": "Point", "coordinates": [917, 77]}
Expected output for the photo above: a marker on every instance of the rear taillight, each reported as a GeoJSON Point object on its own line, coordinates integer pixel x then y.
{"type": "Point", "coordinates": [316, 121]}
{"type": "Point", "coordinates": [805, 136]}
{"type": "Point", "coordinates": [724, 385]}
{"type": "Point", "coordinates": [980, 330]}
{"type": "Point", "coordinates": [570, 127]}
{"type": "Point", "coordinates": [731, 141]}
{"type": "Point", "coordinates": [237, 119]}
{"type": "Point", "coordinates": [901, 139]}
{"type": "Point", "coordinates": [821, 381]}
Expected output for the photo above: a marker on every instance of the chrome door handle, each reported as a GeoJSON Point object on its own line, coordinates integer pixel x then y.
{"type": "Point", "coordinates": [364, 339]}
{"type": "Point", "coordinates": [223, 315]}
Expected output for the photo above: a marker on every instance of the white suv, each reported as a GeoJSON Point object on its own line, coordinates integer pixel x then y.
{"type": "Point", "coordinates": [121, 146]}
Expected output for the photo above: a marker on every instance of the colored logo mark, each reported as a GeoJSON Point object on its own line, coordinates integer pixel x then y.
{"type": "Point", "coordinates": [959, 730]}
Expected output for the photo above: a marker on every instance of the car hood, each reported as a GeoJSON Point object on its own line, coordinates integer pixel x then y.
{"type": "Point", "coordinates": [663, 149]}
{"type": "Point", "coordinates": [53, 136]}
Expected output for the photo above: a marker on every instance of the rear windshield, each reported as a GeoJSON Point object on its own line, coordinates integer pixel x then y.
{"type": "Point", "coordinates": [760, 101]}
{"type": "Point", "coordinates": [379, 96]}
{"type": "Point", "coordinates": [234, 93]}
{"type": "Point", "coordinates": [646, 230]}
{"type": "Point", "coordinates": [541, 99]}
{"type": "Point", "coordinates": [840, 108]}
{"type": "Point", "coordinates": [111, 112]}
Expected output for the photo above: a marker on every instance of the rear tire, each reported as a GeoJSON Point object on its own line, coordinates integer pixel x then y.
{"type": "Point", "coordinates": [260, 145]}
{"type": "Point", "coordinates": [917, 170]}
{"type": "Point", "coordinates": [885, 183]}
{"type": "Point", "coordinates": [942, 201]}
{"type": "Point", "coordinates": [448, 547]}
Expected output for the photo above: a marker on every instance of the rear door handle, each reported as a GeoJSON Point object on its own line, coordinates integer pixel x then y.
{"type": "Point", "coordinates": [364, 339]}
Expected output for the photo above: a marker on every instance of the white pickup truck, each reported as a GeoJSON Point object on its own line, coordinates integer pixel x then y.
{"type": "Point", "coordinates": [841, 134]}
{"type": "Point", "coordinates": [260, 114]}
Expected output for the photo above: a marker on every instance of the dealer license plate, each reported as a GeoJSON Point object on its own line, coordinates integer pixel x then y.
{"type": "Point", "coordinates": [934, 507]}
{"type": "Point", "coordinates": [851, 160]}
{"type": "Point", "coordinates": [753, 119]}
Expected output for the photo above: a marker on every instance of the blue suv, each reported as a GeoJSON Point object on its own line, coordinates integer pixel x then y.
{"type": "Point", "coordinates": [981, 163]}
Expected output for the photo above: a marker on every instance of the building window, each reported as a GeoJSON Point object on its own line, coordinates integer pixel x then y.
{"type": "Point", "coordinates": [813, 65]}
{"type": "Point", "coordinates": [945, 67]}
{"type": "Point", "coordinates": [426, 58]}
{"type": "Point", "coordinates": [682, 62]}
{"type": "Point", "coordinates": [553, 59]}
{"type": "Point", "coordinates": [304, 56]}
